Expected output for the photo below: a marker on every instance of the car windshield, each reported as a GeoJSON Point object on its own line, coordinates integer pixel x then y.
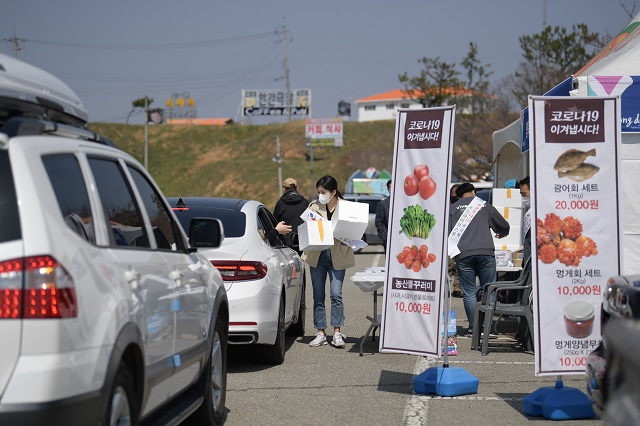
{"type": "Point", "coordinates": [10, 223]}
{"type": "Point", "coordinates": [373, 204]}
{"type": "Point", "coordinates": [233, 221]}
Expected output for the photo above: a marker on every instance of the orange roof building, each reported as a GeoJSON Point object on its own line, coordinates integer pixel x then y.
{"type": "Point", "coordinates": [384, 106]}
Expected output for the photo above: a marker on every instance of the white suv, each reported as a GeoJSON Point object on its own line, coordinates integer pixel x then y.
{"type": "Point", "coordinates": [107, 314]}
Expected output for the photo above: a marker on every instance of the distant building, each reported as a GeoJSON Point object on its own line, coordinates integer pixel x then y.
{"type": "Point", "coordinates": [201, 121]}
{"type": "Point", "coordinates": [384, 106]}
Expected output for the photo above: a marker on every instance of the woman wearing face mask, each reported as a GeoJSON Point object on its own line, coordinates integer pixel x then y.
{"type": "Point", "coordinates": [526, 204]}
{"type": "Point", "coordinates": [332, 262]}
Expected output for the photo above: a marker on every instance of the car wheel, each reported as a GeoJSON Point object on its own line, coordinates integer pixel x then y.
{"type": "Point", "coordinates": [123, 405]}
{"type": "Point", "coordinates": [274, 354]}
{"type": "Point", "coordinates": [213, 382]}
{"type": "Point", "coordinates": [297, 328]}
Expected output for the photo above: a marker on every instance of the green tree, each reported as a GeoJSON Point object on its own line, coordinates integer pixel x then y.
{"type": "Point", "coordinates": [552, 56]}
{"type": "Point", "coordinates": [139, 103]}
{"type": "Point", "coordinates": [477, 79]}
{"type": "Point", "coordinates": [433, 86]}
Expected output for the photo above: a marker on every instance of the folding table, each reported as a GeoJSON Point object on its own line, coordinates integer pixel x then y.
{"type": "Point", "coordinates": [370, 280]}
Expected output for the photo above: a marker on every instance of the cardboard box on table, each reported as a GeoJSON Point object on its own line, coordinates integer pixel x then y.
{"type": "Point", "coordinates": [350, 219]}
{"type": "Point", "coordinates": [513, 215]}
{"type": "Point", "coordinates": [506, 197]}
{"type": "Point", "coordinates": [315, 235]}
{"type": "Point", "coordinates": [512, 242]}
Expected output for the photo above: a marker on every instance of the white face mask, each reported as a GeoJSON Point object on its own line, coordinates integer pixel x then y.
{"type": "Point", "coordinates": [526, 202]}
{"type": "Point", "coordinates": [324, 198]}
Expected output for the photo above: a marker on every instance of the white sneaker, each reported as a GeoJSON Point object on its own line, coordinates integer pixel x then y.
{"type": "Point", "coordinates": [338, 340]}
{"type": "Point", "coordinates": [320, 340]}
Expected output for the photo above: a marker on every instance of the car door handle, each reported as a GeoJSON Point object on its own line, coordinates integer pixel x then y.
{"type": "Point", "coordinates": [176, 276]}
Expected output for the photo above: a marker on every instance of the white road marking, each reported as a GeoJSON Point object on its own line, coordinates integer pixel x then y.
{"type": "Point", "coordinates": [415, 411]}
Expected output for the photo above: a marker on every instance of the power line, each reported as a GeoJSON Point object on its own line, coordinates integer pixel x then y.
{"type": "Point", "coordinates": [153, 46]}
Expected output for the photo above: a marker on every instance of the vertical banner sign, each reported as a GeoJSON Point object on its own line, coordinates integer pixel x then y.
{"type": "Point", "coordinates": [576, 206]}
{"type": "Point", "coordinates": [416, 247]}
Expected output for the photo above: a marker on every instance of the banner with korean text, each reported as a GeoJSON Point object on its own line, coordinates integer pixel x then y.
{"type": "Point", "coordinates": [577, 240]}
{"type": "Point", "coordinates": [417, 234]}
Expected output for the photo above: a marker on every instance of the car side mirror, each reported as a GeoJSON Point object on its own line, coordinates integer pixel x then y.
{"type": "Point", "coordinates": [205, 232]}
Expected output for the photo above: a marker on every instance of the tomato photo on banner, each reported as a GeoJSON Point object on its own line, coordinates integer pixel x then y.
{"type": "Point", "coordinates": [417, 234]}
{"type": "Point", "coordinates": [576, 224]}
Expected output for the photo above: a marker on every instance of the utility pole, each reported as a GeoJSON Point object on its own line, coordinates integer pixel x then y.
{"type": "Point", "coordinates": [278, 159]}
{"type": "Point", "coordinates": [544, 14]}
{"type": "Point", "coordinates": [15, 43]}
{"type": "Point", "coordinates": [313, 188]}
{"type": "Point", "coordinates": [286, 68]}
{"type": "Point", "coordinates": [146, 133]}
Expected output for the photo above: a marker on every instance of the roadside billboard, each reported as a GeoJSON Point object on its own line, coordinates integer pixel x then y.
{"type": "Point", "coordinates": [324, 131]}
{"type": "Point", "coordinates": [273, 102]}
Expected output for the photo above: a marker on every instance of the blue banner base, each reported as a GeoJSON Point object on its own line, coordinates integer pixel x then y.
{"type": "Point", "coordinates": [558, 403]}
{"type": "Point", "coordinates": [445, 381]}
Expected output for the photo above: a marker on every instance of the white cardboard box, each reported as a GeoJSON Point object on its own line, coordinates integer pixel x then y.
{"type": "Point", "coordinates": [315, 235]}
{"type": "Point", "coordinates": [506, 197]}
{"type": "Point", "coordinates": [514, 239]}
{"type": "Point", "coordinates": [513, 215]}
{"type": "Point", "coordinates": [350, 219]}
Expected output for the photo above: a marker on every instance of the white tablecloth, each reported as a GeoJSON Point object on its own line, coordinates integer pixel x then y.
{"type": "Point", "coordinates": [369, 279]}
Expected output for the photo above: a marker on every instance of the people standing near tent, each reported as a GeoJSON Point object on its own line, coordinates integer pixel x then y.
{"type": "Point", "coordinates": [456, 290]}
{"type": "Point", "coordinates": [331, 262]}
{"type": "Point", "coordinates": [382, 217]}
{"type": "Point", "coordinates": [526, 225]}
{"type": "Point", "coordinates": [471, 243]}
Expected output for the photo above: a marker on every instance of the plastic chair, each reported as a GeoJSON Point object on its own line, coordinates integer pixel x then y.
{"type": "Point", "coordinates": [490, 306]}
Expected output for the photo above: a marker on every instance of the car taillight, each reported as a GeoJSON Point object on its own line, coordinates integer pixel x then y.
{"type": "Point", "coordinates": [240, 270]}
{"type": "Point", "coordinates": [36, 287]}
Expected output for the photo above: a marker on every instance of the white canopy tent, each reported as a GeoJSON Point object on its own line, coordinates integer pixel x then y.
{"type": "Point", "coordinates": [508, 161]}
{"type": "Point", "coordinates": [621, 57]}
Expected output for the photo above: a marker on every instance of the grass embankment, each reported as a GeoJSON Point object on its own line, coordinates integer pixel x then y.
{"type": "Point", "coordinates": [236, 160]}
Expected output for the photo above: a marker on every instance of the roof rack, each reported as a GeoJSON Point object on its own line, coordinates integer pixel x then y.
{"type": "Point", "coordinates": [21, 126]}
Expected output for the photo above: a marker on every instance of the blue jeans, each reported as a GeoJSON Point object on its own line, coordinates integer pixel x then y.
{"type": "Point", "coordinates": [318, 281]}
{"type": "Point", "coordinates": [484, 267]}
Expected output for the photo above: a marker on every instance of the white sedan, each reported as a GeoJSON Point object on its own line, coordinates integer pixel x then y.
{"type": "Point", "coordinates": [264, 278]}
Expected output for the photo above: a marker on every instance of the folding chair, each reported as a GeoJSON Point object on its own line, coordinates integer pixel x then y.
{"type": "Point", "coordinates": [490, 306]}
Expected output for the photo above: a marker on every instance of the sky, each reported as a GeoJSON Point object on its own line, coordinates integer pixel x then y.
{"type": "Point", "coordinates": [113, 52]}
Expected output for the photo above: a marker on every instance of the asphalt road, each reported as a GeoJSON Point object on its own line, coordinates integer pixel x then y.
{"type": "Point", "coordinates": [326, 385]}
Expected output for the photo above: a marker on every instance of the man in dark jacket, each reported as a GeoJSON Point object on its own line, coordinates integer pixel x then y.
{"type": "Point", "coordinates": [382, 217]}
{"type": "Point", "coordinates": [291, 205]}
{"type": "Point", "coordinates": [475, 255]}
